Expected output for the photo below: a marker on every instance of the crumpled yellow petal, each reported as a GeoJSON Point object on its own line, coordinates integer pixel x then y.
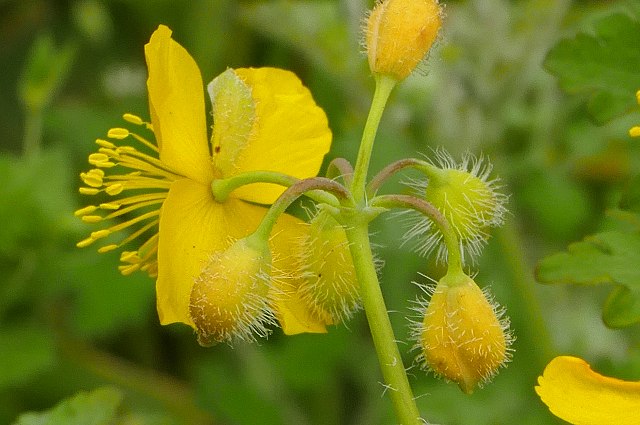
{"type": "Point", "coordinates": [577, 394]}
{"type": "Point", "coordinates": [290, 135]}
{"type": "Point", "coordinates": [176, 103]}
{"type": "Point", "coordinates": [192, 227]}
{"type": "Point", "coordinates": [293, 314]}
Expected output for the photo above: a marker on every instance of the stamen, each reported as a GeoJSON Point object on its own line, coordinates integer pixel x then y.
{"type": "Point", "coordinates": [85, 242]}
{"type": "Point", "coordinates": [107, 248]}
{"type": "Point", "coordinates": [129, 257]}
{"type": "Point", "coordinates": [96, 158]}
{"type": "Point", "coordinates": [88, 191]}
{"type": "Point", "coordinates": [91, 218]}
{"type": "Point", "coordinates": [133, 207]}
{"type": "Point", "coordinates": [114, 189]}
{"type": "Point", "coordinates": [145, 141]}
{"type": "Point", "coordinates": [139, 232]}
{"type": "Point", "coordinates": [99, 234]}
{"type": "Point", "coordinates": [133, 119]}
{"type": "Point", "coordinates": [135, 220]}
{"type": "Point", "coordinates": [117, 133]}
{"type": "Point", "coordinates": [86, 210]}
{"type": "Point", "coordinates": [105, 144]}
{"type": "Point", "coordinates": [127, 270]}
{"type": "Point", "coordinates": [109, 206]}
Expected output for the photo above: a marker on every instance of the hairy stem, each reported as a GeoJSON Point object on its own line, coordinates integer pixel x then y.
{"type": "Point", "coordinates": [393, 370]}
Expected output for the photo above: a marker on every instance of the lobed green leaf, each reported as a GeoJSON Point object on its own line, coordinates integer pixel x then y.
{"type": "Point", "coordinates": [603, 65]}
{"type": "Point", "coordinates": [610, 258]}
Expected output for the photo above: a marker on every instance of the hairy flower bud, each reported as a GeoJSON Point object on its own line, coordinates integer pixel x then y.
{"type": "Point", "coordinates": [467, 198]}
{"type": "Point", "coordinates": [463, 336]}
{"type": "Point", "coordinates": [399, 33]}
{"type": "Point", "coordinates": [229, 299]}
{"type": "Point", "coordinates": [330, 287]}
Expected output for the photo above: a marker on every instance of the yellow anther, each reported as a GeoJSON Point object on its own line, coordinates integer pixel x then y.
{"type": "Point", "coordinates": [126, 149]}
{"type": "Point", "coordinates": [86, 210]}
{"type": "Point", "coordinates": [638, 96]}
{"type": "Point", "coordinates": [88, 191]}
{"type": "Point", "coordinates": [91, 180]}
{"type": "Point", "coordinates": [107, 248]}
{"type": "Point", "coordinates": [114, 189]}
{"type": "Point", "coordinates": [634, 131]}
{"type": "Point", "coordinates": [127, 270]}
{"type": "Point", "coordinates": [118, 133]}
{"type": "Point", "coordinates": [109, 206]}
{"type": "Point", "coordinates": [111, 152]}
{"type": "Point", "coordinates": [91, 218]}
{"type": "Point", "coordinates": [85, 242]}
{"type": "Point", "coordinates": [96, 171]}
{"type": "Point", "coordinates": [97, 158]}
{"type": "Point", "coordinates": [133, 119]}
{"type": "Point", "coordinates": [99, 234]}
{"type": "Point", "coordinates": [105, 144]}
{"type": "Point", "coordinates": [130, 257]}
{"type": "Point", "coordinates": [106, 164]}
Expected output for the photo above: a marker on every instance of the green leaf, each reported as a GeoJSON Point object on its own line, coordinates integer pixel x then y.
{"type": "Point", "coordinates": [99, 407]}
{"type": "Point", "coordinates": [622, 307]}
{"type": "Point", "coordinates": [609, 258]}
{"type": "Point", "coordinates": [603, 65]}
{"type": "Point", "coordinates": [46, 69]}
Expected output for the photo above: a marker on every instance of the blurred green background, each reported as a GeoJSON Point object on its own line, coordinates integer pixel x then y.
{"type": "Point", "coordinates": [69, 322]}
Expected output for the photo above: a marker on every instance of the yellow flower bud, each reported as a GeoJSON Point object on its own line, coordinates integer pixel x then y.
{"type": "Point", "coordinates": [229, 299]}
{"type": "Point", "coordinates": [330, 287]}
{"type": "Point", "coordinates": [463, 336]}
{"type": "Point", "coordinates": [399, 33]}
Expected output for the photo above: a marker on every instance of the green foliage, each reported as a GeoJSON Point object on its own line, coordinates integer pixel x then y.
{"type": "Point", "coordinates": [46, 69]}
{"type": "Point", "coordinates": [603, 65]}
{"type": "Point", "coordinates": [102, 406]}
{"type": "Point", "coordinates": [99, 407]}
{"type": "Point", "coordinates": [604, 258]}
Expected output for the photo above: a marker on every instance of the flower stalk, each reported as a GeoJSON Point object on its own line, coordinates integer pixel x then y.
{"type": "Point", "coordinates": [391, 365]}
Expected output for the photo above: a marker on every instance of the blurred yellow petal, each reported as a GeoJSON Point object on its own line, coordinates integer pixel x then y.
{"type": "Point", "coordinates": [192, 227]}
{"type": "Point", "coordinates": [176, 102]}
{"type": "Point", "coordinates": [580, 396]}
{"type": "Point", "coordinates": [293, 314]}
{"type": "Point", "coordinates": [290, 135]}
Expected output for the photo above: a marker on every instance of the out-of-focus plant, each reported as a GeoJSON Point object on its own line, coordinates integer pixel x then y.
{"type": "Point", "coordinates": [602, 65]}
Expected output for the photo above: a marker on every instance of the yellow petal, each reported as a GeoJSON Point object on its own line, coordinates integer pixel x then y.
{"type": "Point", "coordinates": [176, 102]}
{"type": "Point", "coordinates": [290, 134]}
{"type": "Point", "coordinates": [581, 396]}
{"type": "Point", "coordinates": [192, 227]}
{"type": "Point", "coordinates": [293, 314]}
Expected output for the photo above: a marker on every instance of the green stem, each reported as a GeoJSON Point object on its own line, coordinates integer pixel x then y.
{"type": "Point", "coordinates": [393, 370]}
{"type": "Point", "coordinates": [222, 188]}
{"type": "Point", "coordinates": [523, 281]}
{"type": "Point", "coordinates": [294, 192]}
{"type": "Point", "coordinates": [32, 132]}
{"type": "Point", "coordinates": [449, 237]}
{"type": "Point", "coordinates": [384, 85]}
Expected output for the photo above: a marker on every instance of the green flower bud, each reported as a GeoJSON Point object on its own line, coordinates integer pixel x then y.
{"type": "Point", "coordinates": [466, 197]}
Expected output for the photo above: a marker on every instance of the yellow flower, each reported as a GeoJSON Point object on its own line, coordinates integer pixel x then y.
{"type": "Point", "coordinates": [635, 130]}
{"type": "Point", "coordinates": [580, 396]}
{"type": "Point", "coordinates": [263, 119]}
